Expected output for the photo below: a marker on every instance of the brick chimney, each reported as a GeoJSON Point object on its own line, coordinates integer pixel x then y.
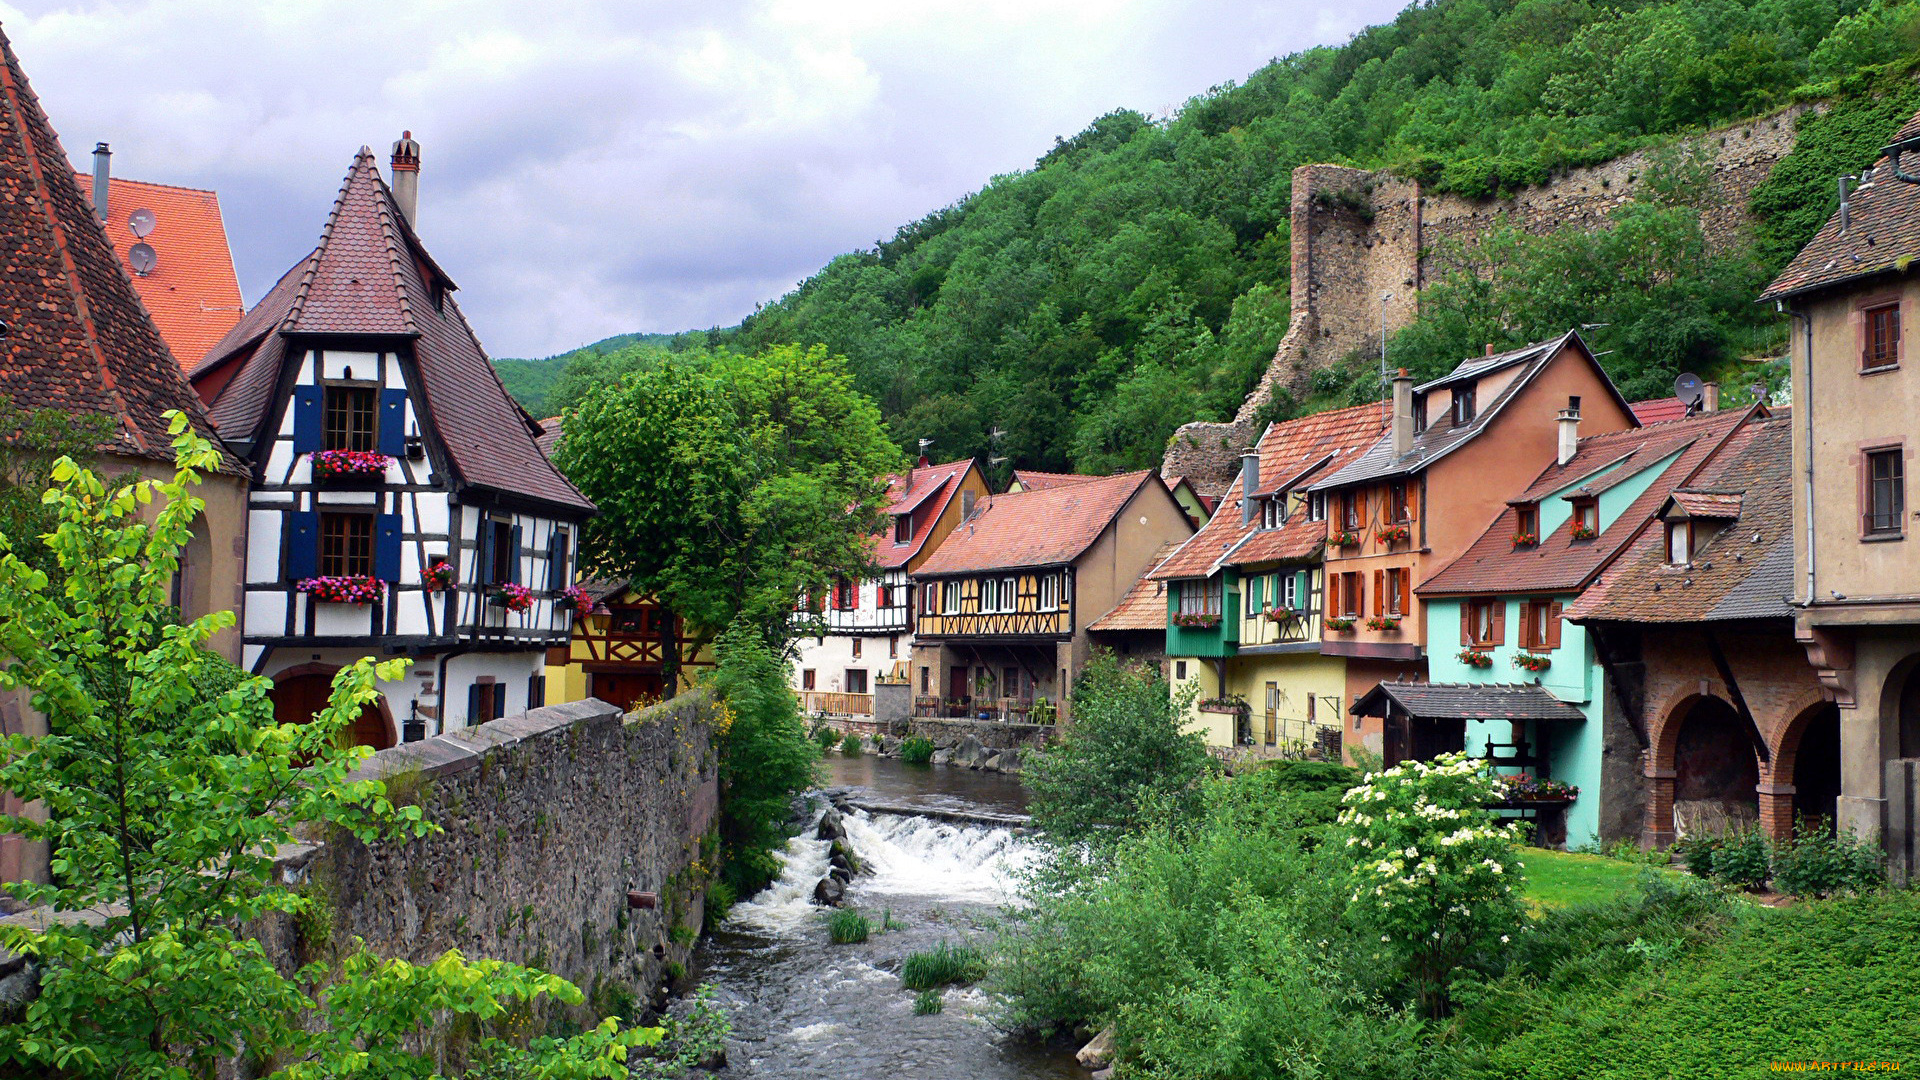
{"type": "Point", "coordinates": [1249, 483]}
{"type": "Point", "coordinates": [1710, 397]}
{"type": "Point", "coordinates": [1569, 423]}
{"type": "Point", "coordinates": [406, 178]}
{"type": "Point", "coordinates": [1402, 414]}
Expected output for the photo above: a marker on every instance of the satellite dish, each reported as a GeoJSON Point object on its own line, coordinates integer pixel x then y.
{"type": "Point", "coordinates": [1688, 389]}
{"type": "Point", "coordinates": [143, 258]}
{"type": "Point", "coordinates": [140, 222]}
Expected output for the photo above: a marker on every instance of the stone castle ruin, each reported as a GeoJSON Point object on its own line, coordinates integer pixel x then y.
{"type": "Point", "coordinates": [1360, 235]}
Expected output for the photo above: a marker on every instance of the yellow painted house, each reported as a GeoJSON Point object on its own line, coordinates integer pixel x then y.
{"type": "Point", "coordinates": [1245, 595]}
{"type": "Point", "coordinates": [618, 650]}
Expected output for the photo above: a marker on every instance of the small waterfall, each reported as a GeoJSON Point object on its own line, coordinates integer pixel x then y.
{"type": "Point", "coordinates": [787, 905]}
{"type": "Point", "coordinates": [915, 856]}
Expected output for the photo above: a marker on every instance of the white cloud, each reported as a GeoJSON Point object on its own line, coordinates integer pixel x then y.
{"type": "Point", "coordinates": [594, 168]}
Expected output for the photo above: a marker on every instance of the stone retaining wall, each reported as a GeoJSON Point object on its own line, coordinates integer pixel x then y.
{"type": "Point", "coordinates": [989, 733]}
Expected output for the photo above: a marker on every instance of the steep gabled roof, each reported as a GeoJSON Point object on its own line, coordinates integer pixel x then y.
{"type": "Point", "coordinates": [1048, 527]}
{"type": "Point", "coordinates": [370, 277]}
{"type": "Point", "coordinates": [931, 486]}
{"type": "Point", "coordinates": [1559, 563]}
{"type": "Point", "coordinates": [1881, 232]}
{"type": "Point", "coordinates": [1144, 607]}
{"type": "Point", "coordinates": [1439, 440]}
{"type": "Point", "coordinates": [1659, 410]}
{"type": "Point", "coordinates": [1292, 454]}
{"type": "Point", "coordinates": [80, 339]}
{"type": "Point", "coordinates": [1034, 480]}
{"type": "Point", "coordinates": [1745, 572]}
{"type": "Point", "coordinates": [192, 291]}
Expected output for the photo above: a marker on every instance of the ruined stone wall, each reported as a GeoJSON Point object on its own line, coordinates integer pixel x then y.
{"type": "Point", "coordinates": [550, 820]}
{"type": "Point", "coordinates": [1358, 236]}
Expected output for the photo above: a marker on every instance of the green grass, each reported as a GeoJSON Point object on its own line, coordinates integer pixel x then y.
{"type": "Point", "coordinates": [848, 927]}
{"type": "Point", "coordinates": [928, 1002]}
{"type": "Point", "coordinates": [944, 964]}
{"type": "Point", "coordinates": [1557, 879]}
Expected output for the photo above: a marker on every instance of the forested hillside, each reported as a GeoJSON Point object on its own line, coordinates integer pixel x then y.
{"type": "Point", "coordinates": [532, 382]}
{"type": "Point", "coordinates": [1136, 278]}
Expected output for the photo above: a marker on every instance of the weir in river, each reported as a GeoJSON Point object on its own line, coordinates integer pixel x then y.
{"type": "Point", "coordinates": [803, 1007]}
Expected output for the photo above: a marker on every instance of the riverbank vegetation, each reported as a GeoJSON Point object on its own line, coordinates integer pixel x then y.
{"type": "Point", "coordinates": [1251, 933]}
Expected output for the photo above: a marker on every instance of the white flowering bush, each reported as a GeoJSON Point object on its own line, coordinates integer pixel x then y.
{"type": "Point", "coordinates": [1431, 870]}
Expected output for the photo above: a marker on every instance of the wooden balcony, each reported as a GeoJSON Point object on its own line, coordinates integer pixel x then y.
{"type": "Point", "coordinates": [834, 703]}
{"type": "Point", "coordinates": [1004, 710]}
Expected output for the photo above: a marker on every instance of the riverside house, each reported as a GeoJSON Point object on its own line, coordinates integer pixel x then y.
{"type": "Point", "coordinates": [868, 625]}
{"type": "Point", "coordinates": [1244, 596]}
{"type": "Point", "coordinates": [400, 506]}
{"type": "Point", "coordinates": [1511, 679]}
{"type": "Point", "coordinates": [1852, 293]}
{"type": "Point", "coordinates": [1455, 451]}
{"type": "Point", "coordinates": [1005, 602]}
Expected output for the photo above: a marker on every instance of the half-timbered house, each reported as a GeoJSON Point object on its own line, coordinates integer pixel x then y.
{"type": "Point", "coordinates": [867, 630]}
{"type": "Point", "coordinates": [1005, 603]}
{"type": "Point", "coordinates": [400, 506]}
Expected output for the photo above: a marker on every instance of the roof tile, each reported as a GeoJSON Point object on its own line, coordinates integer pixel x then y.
{"type": "Point", "coordinates": [192, 291]}
{"type": "Point", "coordinates": [1882, 233]}
{"type": "Point", "coordinates": [1144, 607]}
{"type": "Point", "coordinates": [1051, 526]}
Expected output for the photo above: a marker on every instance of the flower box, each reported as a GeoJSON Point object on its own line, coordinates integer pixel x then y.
{"type": "Point", "coordinates": [573, 596]}
{"type": "Point", "coordinates": [512, 597]}
{"type": "Point", "coordinates": [1345, 538]}
{"type": "Point", "coordinates": [1386, 624]}
{"type": "Point", "coordinates": [1227, 704]}
{"type": "Point", "coordinates": [1474, 658]}
{"type": "Point", "coordinates": [1340, 625]}
{"type": "Point", "coordinates": [1281, 614]}
{"type": "Point", "coordinates": [438, 576]}
{"type": "Point", "coordinates": [1525, 539]}
{"type": "Point", "coordinates": [1532, 662]}
{"type": "Point", "coordinates": [1526, 787]}
{"type": "Point", "coordinates": [356, 589]}
{"type": "Point", "coordinates": [1394, 534]}
{"type": "Point", "coordinates": [1202, 622]}
{"type": "Point", "coordinates": [334, 466]}
{"type": "Point", "coordinates": [1582, 532]}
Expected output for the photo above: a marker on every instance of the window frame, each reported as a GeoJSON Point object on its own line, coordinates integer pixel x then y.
{"type": "Point", "coordinates": [809, 679]}
{"type": "Point", "coordinates": [1465, 404]}
{"type": "Point", "coordinates": [345, 563]}
{"type": "Point", "coordinates": [856, 648]}
{"type": "Point", "coordinates": [1887, 358]}
{"type": "Point", "coordinates": [1273, 511]}
{"type": "Point", "coordinates": [1209, 599]}
{"type": "Point", "coordinates": [1493, 635]}
{"type": "Point", "coordinates": [349, 431]}
{"type": "Point", "coordinates": [903, 528]}
{"type": "Point", "coordinates": [1896, 480]}
{"type": "Point", "coordinates": [861, 675]}
{"type": "Point", "coordinates": [1316, 506]}
{"type": "Point", "coordinates": [1399, 506]}
{"type": "Point", "coordinates": [1050, 583]}
{"type": "Point", "coordinates": [1586, 512]}
{"type": "Point", "coordinates": [1682, 528]}
{"type": "Point", "coordinates": [1526, 521]}
{"type": "Point", "coordinates": [951, 597]}
{"type": "Point", "coordinates": [1541, 626]}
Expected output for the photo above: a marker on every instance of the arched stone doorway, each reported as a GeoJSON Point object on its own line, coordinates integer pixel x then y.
{"type": "Point", "coordinates": [1907, 702]}
{"type": "Point", "coordinates": [299, 695]}
{"type": "Point", "coordinates": [1715, 773]}
{"type": "Point", "coordinates": [1812, 750]}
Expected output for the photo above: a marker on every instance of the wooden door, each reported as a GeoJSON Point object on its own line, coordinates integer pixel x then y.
{"type": "Point", "coordinates": [957, 685]}
{"type": "Point", "coordinates": [629, 688]}
{"type": "Point", "coordinates": [299, 699]}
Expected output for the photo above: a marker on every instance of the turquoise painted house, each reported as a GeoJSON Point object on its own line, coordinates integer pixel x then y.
{"type": "Point", "coordinates": [1510, 679]}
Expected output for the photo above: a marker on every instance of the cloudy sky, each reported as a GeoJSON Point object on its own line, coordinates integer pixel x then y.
{"type": "Point", "coordinates": [596, 168]}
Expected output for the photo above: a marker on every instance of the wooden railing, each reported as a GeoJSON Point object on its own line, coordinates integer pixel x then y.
{"type": "Point", "coordinates": [836, 704]}
{"type": "Point", "coordinates": [1005, 710]}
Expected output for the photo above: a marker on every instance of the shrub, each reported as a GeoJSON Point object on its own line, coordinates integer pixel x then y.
{"type": "Point", "coordinates": [851, 745]}
{"type": "Point", "coordinates": [825, 737]}
{"type": "Point", "coordinates": [928, 1002]}
{"type": "Point", "coordinates": [1816, 863]}
{"type": "Point", "coordinates": [1741, 859]}
{"type": "Point", "coordinates": [765, 759]}
{"type": "Point", "coordinates": [720, 900]}
{"type": "Point", "coordinates": [942, 965]}
{"type": "Point", "coordinates": [1696, 850]}
{"type": "Point", "coordinates": [917, 750]}
{"type": "Point", "coordinates": [848, 927]}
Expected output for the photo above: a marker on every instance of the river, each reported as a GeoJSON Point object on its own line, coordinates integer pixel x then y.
{"type": "Point", "coordinates": [803, 1007]}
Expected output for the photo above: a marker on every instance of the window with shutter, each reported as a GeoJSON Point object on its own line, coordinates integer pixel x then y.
{"type": "Point", "coordinates": [1380, 592]}
{"type": "Point", "coordinates": [308, 419]}
{"type": "Point", "coordinates": [386, 547]}
{"type": "Point", "coordinates": [559, 547]}
{"type": "Point", "coordinates": [303, 545]}
{"type": "Point", "coordinates": [392, 423]}
{"type": "Point", "coordinates": [1553, 625]}
{"type": "Point", "coordinates": [346, 544]}
{"type": "Point", "coordinates": [1880, 338]}
{"type": "Point", "coordinates": [1527, 624]}
{"type": "Point", "coordinates": [350, 417]}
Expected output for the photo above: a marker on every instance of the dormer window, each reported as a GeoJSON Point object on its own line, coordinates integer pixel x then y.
{"type": "Point", "coordinates": [1316, 506]}
{"type": "Point", "coordinates": [902, 528]}
{"type": "Point", "coordinates": [347, 418]}
{"type": "Point", "coordinates": [1273, 511]}
{"type": "Point", "coordinates": [1419, 413]}
{"type": "Point", "coordinates": [1526, 523]}
{"type": "Point", "coordinates": [1463, 404]}
{"type": "Point", "coordinates": [1679, 542]}
{"type": "Point", "coordinates": [1586, 519]}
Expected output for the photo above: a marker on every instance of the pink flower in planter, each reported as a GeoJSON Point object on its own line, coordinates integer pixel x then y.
{"type": "Point", "coordinates": [344, 464]}
{"type": "Point", "coordinates": [513, 597]}
{"type": "Point", "coordinates": [352, 589]}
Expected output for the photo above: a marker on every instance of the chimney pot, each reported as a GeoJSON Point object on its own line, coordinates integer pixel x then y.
{"type": "Point", "coordinates": [1249, 483]}
{"type": "Point", "coordinates": [1489, 351]}
{"type": "Point", "coordinates": [1569, 424]}
{"type": "Point", "coordinates": [1710, 397]}
{"type": "Point", "coordinates": [101, 170]}
{"type": "Point", "coordinates": [406, 178]}
{"type": "Point", "coordinates": [1402, 414]}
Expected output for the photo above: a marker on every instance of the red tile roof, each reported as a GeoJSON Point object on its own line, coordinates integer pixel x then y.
{"type": "Point", "coordinates": [1052, 526]}
{"type": "Point", "coordinates": [1294, 453]}
{"type": "Point", "coordinates": [1031, 480]}
{"type": "Point", "coordinates": [1708, 504]}
{"type": "Point", "coordinates": [1659, 410]}
{"type": "Point", "coordinates": [192, 291]}
{"type": "Point", "coordinates": [371, 277]}
{"type": "Point", "coordinates": [1882, 233]}
{"type": "Point", "coordinates": [80, 341]}
{"type": "Point", "coordinates": [1144, 607]}
{"type": "Point", "coordinates": [931, 486]}
{"type": "Point", "coordinates": [1744, 572]}
{"type": "Point", "coordinates": [1559, 563]}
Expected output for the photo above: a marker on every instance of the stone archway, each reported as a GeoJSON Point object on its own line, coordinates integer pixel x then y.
{"type": "Point", "coordinates": [299, 693]}
{"type": "Point", "coordinates": [1809, 759]}
{"type": "Point", "coordinates": [1716, 775]}
{"type": "Point", "coordinates": [1903, 696]}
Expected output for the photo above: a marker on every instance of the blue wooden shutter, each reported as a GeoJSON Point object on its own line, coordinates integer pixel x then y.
{"type": "Point", "coordinates": [392, 423]}
{"type": "Point", "coordinates": [485, 577]}
{"type": "Point", "coordinates": [557, 560]}
{"type": "Point", "coordinates": [303, 545]}
{"type": "Point", "coordinates": [473, 705]}
{"type": "Point", "coordinates": [499, 700]}
{"type": "Point", "coordinates": [308, 418]}
{"type": "Point", "coordinates": [513, 565]}
{"type": "Point", "coordinates": [386, 547]}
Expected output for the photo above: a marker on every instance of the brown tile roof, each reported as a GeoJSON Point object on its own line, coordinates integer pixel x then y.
{"type": "Point", "coordinates": [370, 276]}
{"type": "Point", "coordinates": [1708, 504]}
{"type": "Point", "coordinates": [1882, 233]}
{"type": "Point", "coordinates": [192, 291]}
{"type": "Point", "coordinates": [1439, 440]}
{"type": "Point", "coordinates": [1052, 526]}
{"type": "Point", "coordinates": [1559, 563]}
{"type": "Point", "coordinates": [1145, 605]}
{"type": "Point", "coordinates": [1033, 480]}
{"type": "Point", "coordinates": [549, 438]}
{"type": "Point", "coordinates": [80, 341]}
{"type": "Point", "coordinates": [923, 485]}
{"type": "Point", "coordinates": [1292, 453]}
{"type": "Point", "coordinates": [1466, 701]}
{"type": "Point", "coordinates": [1744, 572]}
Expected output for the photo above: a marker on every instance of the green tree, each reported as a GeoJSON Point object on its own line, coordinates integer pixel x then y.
{"type": "Point", "coordinates": [765, 757]}
{"type": "Point", "coordinates": [1122, 762]}
{"type": "Point", "coordinates": [168, 788]}
{"type": "Point", "coordinates": [730, 484]}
